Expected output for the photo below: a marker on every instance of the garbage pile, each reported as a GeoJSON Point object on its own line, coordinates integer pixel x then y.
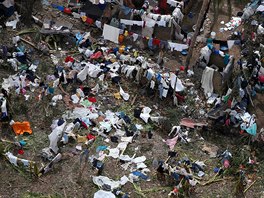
{"type": "Point", "coordinates": [103, 71]}
{"type": "Point", "coordinates": [103, 65]}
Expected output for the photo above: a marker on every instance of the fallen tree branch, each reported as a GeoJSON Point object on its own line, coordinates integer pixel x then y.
{"type": "Point", "coordinates": [212, 181]}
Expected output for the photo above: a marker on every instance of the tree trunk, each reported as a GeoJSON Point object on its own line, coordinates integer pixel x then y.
{"type": "Point", "coordinates": [199, 24]}
{"type": "Point", "coordinates": [25, 8]}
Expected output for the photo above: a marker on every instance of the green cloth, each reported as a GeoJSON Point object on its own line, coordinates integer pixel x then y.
{"type": "Point", "coordinates": [86, 103]}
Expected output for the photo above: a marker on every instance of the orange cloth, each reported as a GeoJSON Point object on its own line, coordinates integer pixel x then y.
{"type": "Point", "coordinates": [21, 127]}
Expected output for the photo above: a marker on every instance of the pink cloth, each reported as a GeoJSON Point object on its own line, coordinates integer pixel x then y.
{"type": "Point", "coordinates": [191, 123]}
{"type": "Point", "coordinates": [171, 142]}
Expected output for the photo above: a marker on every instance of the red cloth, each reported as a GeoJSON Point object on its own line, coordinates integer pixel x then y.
{"type": "Point", "coordinates": [89, 21]}
{"type": "Point", "coordinates": [229, 102]}
{"type": "Point", "coordinates": [92, 99]}
{"type": "Point", "coordinates": [163, 4]}
{"type": "Point", "coordinates": [182, 68]}
{"type": "Point", "coordinates": [96, 55]}
{"type": "Point", "coordinates": [67, 10]}
{"type": "Point", "coordinates": [90, 137]}
{"type": "Point", "coordinates": [21, 152]}
{"type": "Point", "coordinates": [69, 59]}
{"type": "Point", "coordinates": [156, 41]}
{"type": "Point", "coordinates": [227, 122]}
{"type": "Point", "coordinates": [179, 97]}
{"type": "Point", "coordinates": [84, 125]}
{"type": "Point", "coordinates": [261, 78]}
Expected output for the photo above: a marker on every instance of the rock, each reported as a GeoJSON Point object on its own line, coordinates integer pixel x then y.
{"type": "Point", "coordinates": [211, 150]}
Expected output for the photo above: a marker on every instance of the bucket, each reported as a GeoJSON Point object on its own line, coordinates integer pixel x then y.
{"type": "Point", "coordinates": [213, 34]}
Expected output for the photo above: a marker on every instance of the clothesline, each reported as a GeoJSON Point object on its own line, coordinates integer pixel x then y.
{"type": "Point", "coordinates": [112, 34]}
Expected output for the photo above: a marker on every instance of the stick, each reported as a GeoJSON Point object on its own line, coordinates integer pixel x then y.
{"type": "Point", "coordinates": [250, 186]}
{"type": "Point", "coordinates": [28, 42]}
{"type": "Point", "coordinates": [134, 99]}
{"type": "Point", "coordinates": [212, 181]}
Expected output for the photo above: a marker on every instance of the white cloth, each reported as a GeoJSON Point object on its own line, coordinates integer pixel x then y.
{"type": "Point", "coordinates": [54, 137]}
{"type": "Point", "coordinates": [205, 53]}
{"type": "Point", "coordinates": [124, 95]}
{"type": "Point", "coordinates": [179, 85]}
{"type": "Point", "coordinates": [152, 84]}
{"type": "Point", "coordinates": [177, 46]}
{"type": "Point", "coordinates": [174, 3]}
{"type": "Point", "coordinates": [260, 8]}
{"type": "Point", "coordinates": [8, 3]}
{"type": "Point", "coordinates": [104, 194]}
{"type": "Point", "coordinates": [12, 158]}
{"type": "Point", "coordinates": [135, 36]}
{"type": "Point", "coordinates": [145, 114]}
{"type": "Point", "coordinates": [132, 22]}
{"type": "Point", "coordinates": [111, 33]}
{"type": "Point", "coordinates": [230, 43]}
{"type": "Point", "coordinates": [114, 153]}
{"type": "Point", "coordinates": [150, 22]}
{"type": "Point", "coordinates": [161, 23]}
{"type": "Point", "coordinates": [207, 80]}
{"type": "Point", "coordinates": [177, 14]}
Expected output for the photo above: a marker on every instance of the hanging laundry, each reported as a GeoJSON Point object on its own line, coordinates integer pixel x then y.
{"type": "Point", "coordinates": [230, 43]}
{"type": "Point", "coordinates": [111, 33]}
{"type": "Point", "coordinates": [207, 80]}
{"type": "Point", "coordinates": [179, 85]}
{"type": "Point", "coordinates": [131, 22]}
{"type": "Point", "coordinates": [177, 46]}
{"type": "Point", "coordinates": [175, 3]}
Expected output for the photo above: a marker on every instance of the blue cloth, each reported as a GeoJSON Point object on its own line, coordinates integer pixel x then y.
{"type": "Point", "coordinates": [86, 121]}
{"type": "Point", "coordinates": [7, 12]}
{"type": "Point", "coordinates": [102, 6]}
{"type": "Point", "coordinates": [226, 59]}
{"type": "Point", "coordinates": [121, 114]}
{"type": "Point", "coordinates": [210, 46]}
{"type": "Point", "coordinates": [216, 170]}
{"type": "Point", "coordinates": [158, 77]}
{"type": "Point", "coordinates": [79, 38]}
{"type": "Point", "coordinates": [252, 130]}
{"type": "Point", "coordinates": [22, 143]}
{"type": "Point", "coordinates": [149, 75]}
{"type": "Point", "coordinates": [216, 52]}
{"type": "Point", "coordinates": [237, 42]}
{"type": "Point", "coordinates": [175, 176]}
{"type": "Point", "coordinates": [150, 44]}
{"type": "Point", "coordinates": [51, 90]}
{"type": "Point", "coordinates": [101, 148]}
{"type": "Point", "coordinates": [140, 175]}
{"type": "Point", "coordinates": [60, 122]}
